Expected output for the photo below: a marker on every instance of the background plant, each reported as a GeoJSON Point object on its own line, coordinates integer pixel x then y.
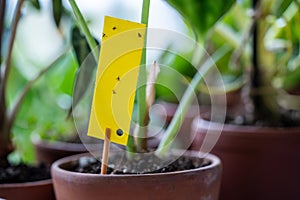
{"type": "Point", "coordinates": [264, 53]}
{"type": "Point", "coordinates": [31, 99]}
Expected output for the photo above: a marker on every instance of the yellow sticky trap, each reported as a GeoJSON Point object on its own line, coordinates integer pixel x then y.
{"type": "Point", "coordinates": [116, 80]}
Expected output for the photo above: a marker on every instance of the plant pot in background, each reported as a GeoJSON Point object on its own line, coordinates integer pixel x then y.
{"type": "Point", "coordinates": [39, 190]}
{"type": "Point", "coordinates": [258, 162]}
{"type": "Point", "coordinates": [49, 151]}
{"type": "Point", "coordinates": [201, 183]}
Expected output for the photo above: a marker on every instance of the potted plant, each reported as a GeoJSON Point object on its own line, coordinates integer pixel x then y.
{"type": "Point", "coordinates": [17, 180]}
{"type": "Point", "coordinates": [263, 133]}
{"type": "Point", "coordinates": [137, 179]}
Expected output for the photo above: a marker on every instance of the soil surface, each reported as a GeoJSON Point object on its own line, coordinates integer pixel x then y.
{"type": "Point", "coordinates": [22, 173]}
{"type": "Point", "coordinates": [284, 119]}
{"type": "Point", "coordinates": [140, 165]}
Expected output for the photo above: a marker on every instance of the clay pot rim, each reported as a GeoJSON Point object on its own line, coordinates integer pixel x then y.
{"type": "Point", "coordinates": [236, 130]}
{"type": "Point", "coordinates": [56, 166]}
{"type": "Point", "coordinates": [27, 184]}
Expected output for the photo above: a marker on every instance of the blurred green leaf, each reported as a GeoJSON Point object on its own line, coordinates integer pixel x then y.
{"type": "Point", "coordinates": [86, 62]}
{"type": "Point", "coordinates": [201, 14]}
{"type": "Point", "coordinates": [280, 6]}
{"type": "Point", "coordinates": [292, 78]}
{"type": "Point", "coordinates": [175, 72]}
{"type": "Point", "coordinates": [62, 76]}
{"type": "Point", "coordinates": [57, 9]}
{"type": "Point", "coordinates": [84, 79]}
{"type": "Point", "coordinates": [170, 85]}
{"type": "Point", "coordinates": [35, 3]}
{"type": "Point", "coordinates": [80, 45]}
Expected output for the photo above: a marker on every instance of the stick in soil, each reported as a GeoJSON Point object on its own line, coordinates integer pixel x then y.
{"type": "Point", "coordinates": [105, 151]}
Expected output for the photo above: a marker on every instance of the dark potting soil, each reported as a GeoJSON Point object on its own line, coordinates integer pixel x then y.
{"type": "Point", "coordinates": [22, 173]}
{"type": "Point", "coordinates": [146, 165]}
{"type": "Point", "coordinates": [286, 119]}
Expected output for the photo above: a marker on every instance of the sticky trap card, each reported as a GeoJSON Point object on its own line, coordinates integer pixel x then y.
{"type": "Point", "coordinates": [116, 79]}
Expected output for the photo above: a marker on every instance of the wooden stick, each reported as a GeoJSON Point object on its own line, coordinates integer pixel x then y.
{"type": "Point", "coordinates": [105, 151]}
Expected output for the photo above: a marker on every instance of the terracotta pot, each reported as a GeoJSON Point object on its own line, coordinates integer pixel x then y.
{"type": "Point", "coordinates": [50, 151]}
{"type": "Point", "coordinates": [259, 162]}
{"type": "Point", "coordinates": [32, 190]}
{"type": "Point", "coordinates": [201, 183]}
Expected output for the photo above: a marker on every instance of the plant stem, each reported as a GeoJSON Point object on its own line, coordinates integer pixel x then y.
{"type": "Point", "coordinates": [260, 109]}
{"type": "Point", "coordinates": [255, 100]}
{"type": "Point", "coordinates": [145, 12]}
{"type": "Point", "coordinates": [185, 102]}
{"type": "Point", "coordinates": [2, 16]}
{"type": "Point", "coordinates": [11, 43]}
{"type": "Point", "coordinates": [84, 28]}
{"type": "Point", "coordinates": [141, 86]}
{"type": "Point", "coordinates": [2, 98]}
{"type": "Point", "coordinates": [7, 65]}
{"type": "Point", "coordinates": [5, 141]}
{"type": "Point", "coordinates": [255, 68]}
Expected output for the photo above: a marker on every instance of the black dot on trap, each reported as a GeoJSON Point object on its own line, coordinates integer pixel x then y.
{"type": "Point", "coordinates": [119, 132]}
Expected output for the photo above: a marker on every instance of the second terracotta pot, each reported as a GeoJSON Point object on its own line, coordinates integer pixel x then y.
{"type": "Point", "coordinates": [42, 190]}
{"type": "Point", "coordinates": [49, 151]}
{"type": "Point", "coordinates": [259, 163]}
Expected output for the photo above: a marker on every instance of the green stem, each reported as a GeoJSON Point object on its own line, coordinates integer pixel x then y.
{"type": "Point", "coordinates": [6, 144]}
{"type": "Point", "coordinates": [185, 102]}
{"type": "Point", "coordinates": [85, 30]}
{"type": "Point", "coordinates": [145, 12]}
{"type": "Point", "coordinates": [2, 15]}
{"type": "Point", "coordinates": [2, 98]}
{"type": "Point", "coordinates": [141, 86]}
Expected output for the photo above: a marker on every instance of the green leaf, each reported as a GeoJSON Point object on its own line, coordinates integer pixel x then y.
{"type": "Point", "coordinates": [201, 14]}
{"type": "Point", "coordinates": [57, 9]}
{"type": "Point", "coordinates": [35, 3]}
{"type": "Point", "coordinates": [292, 79]}
{"type": "Point", "coordinates": [84, 79]}
{"type": "Point", "coordinates": [86, 60]}
{"type": "Point", "coordinates": [280, 6]}
{"type": "Point", "coordinates": [80, 45]}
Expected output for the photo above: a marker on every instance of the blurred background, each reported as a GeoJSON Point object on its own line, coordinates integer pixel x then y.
{"type": "Point", "coordinates": [221, 27]}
